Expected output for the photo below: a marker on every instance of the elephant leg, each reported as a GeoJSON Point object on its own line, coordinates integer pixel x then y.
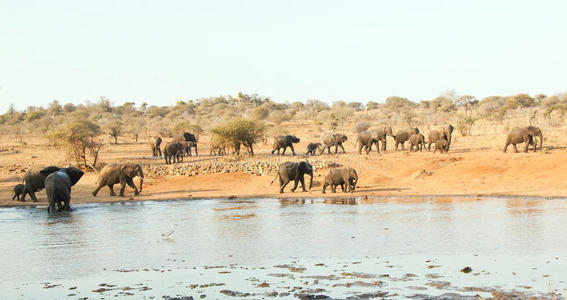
{"type": "Point", "coordinates": [283, 183]}
{"type": "Point", "coordinates": [325, 186]}
{"type": "Point", "coordinates": [284, 148]}
{"type": "Point", "coordinates": [515, 148]}
{"type": "Point", "coordinates": [302, 183]}
{"type": "Point", "coordinates": [343, 148]}
{"type": "Point", "coordinates": [329, 149]}
{"type": "Point", "coordinates": [402, 146]}
{"type": "Point", "coordinates": [334, 187]}
{"type": "Point", "coordinates": [292, 150]}
{"type": "Point", "coordinates": [100, 185]}
{"type": "Point", "coordinates": [122, 187]}
{"type": "Point", "coordinates": [429, 147]}
{"type": "Point", "coordinates": [397, 146]}
{"type": "Point", "coordinates": [336, 148]}
{"type": "Point", "coordinates": [343, 187]}
{"type": "Point", "coordinates": [384, 145]}
{"type": "Point", "coordinates": [295, 183]}
{"type": "Point", "coordinates": [132, 185]}
{"type": "Point", "coordinates": [111, 188]}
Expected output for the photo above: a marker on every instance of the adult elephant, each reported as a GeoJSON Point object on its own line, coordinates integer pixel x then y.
{"type": "Point", "coordinates": [58, 183]}
{"type": "Point", "coordinates": [382, 134]}
{"type": "Point", "coordinates": [330, 139]}
{"type": "Point", "coordinates": [284, 141]}
{"type": "Point", "coordinates": [444, 133]}
{"type": "Point", "coordinates": [295, 171]}
{"type": "Point", "coordinates": [347, 178]}
{"type": "Point", "coordinates": [403, 136]}
{"type": "Point", "coordinates": [365, 140]}
{"type": "Point", "coordinates": [34, 181]}
{"type": "Point", "coordinates": [119, 173]}
{"type": "Point", "coordinates": [156, 146]}
{"type": "Point", "coordinates": [526, 135]}
{"type": "Point", "coordinates": [173, 152]}
{"type": "Point", "coordinates": [187, 137]}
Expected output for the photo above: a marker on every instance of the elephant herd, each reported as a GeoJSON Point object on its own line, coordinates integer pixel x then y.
{"type": "Point", "coordinates": [174, 151]}
{"type": "Point", "coordinates": [58, 181]}
{"type": "Point", "coordinates": [347, 178]}
{"type": "Point", "coordinates": [441, 139]}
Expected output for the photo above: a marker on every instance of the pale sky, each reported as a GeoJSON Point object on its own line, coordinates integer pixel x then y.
{"type": "Point", "coordinates": [163, 51]}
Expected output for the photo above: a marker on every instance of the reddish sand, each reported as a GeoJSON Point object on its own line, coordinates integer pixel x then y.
{"type": "Point", "coordinates": [474, 166]}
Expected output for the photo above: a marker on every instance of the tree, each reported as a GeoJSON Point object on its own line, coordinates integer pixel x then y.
{"type": "Point", "coordinates": [114, 129]}
{"type": "Point", "coordinates": [78, 137]}
{"type": "Point", "coordinates": [316, 107]}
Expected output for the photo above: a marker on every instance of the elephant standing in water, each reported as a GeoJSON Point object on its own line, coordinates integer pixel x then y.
{"type": "Point", "coordinates": [526, 135]}
{"type": "Point", "coordinates": [156, 144]}
{"type": "Point", "coordinates": [58, 183]}
{"type": "Point", "coordinates": [295, 171]}
{"type": "Point", "coordinates": [403, 136]}
{"type": "Point", "coordinates": [444, 133]}
{"type": "Point", "coordinates": [330, 139]}
{"type": "Point", "coordinates": [119, 173]}
{"type": "Point", "coordinates": [284, 142]}
{"type": "Point", "coordinates": [186, 137]}
{"type": "Point", "coordinates": [347, 178]}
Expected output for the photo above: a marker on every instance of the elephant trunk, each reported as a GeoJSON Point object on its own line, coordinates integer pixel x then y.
{"type": "Point", "coordinates": [311, 180]}
{"type": "Point", "coordinates": [540, 142]}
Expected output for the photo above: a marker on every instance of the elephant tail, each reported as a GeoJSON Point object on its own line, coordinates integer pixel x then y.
{"type": "Point", "coordinates": [277, 175]}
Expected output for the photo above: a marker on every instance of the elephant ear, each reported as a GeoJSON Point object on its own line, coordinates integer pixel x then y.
{"type": "Point", "coordinates": [450, 128]}
{"type": "Point", "coordinates": [48, 170]}
{"type": "Point", "coordinates": [74, 174]}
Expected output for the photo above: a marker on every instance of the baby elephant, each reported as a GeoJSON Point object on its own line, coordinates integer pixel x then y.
{"type": "Point", "coordinates": [417, 140]}
{"type": "Point", "coordinates": [441, 145]}
{"type": "Point", "coordinates": [312, 147]}
{"type": "Point", "coordinates": [18, 191]}
{"type": "Point", "coordinates": [347, 178]}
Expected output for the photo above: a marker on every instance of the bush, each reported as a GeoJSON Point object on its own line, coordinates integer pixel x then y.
{"type": "Point", "coordinates": [241, 132]}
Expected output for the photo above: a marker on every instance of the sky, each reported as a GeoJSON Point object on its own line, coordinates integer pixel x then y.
{"type": "Point", "coordinates": [163, 51]}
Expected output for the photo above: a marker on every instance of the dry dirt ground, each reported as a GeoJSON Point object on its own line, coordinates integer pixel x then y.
{"type": "Point", "coordinates": [474, 166]}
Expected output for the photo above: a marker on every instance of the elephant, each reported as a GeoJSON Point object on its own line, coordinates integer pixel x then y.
{"type": "Point", "coordinates": [58, 183]}
{"type": "Point", "coordinates": [218, 145]}
{"type": "Point", "coordinates": [19, 190]}
{"type": "Point", "coordinates": [284, 141]}
{"type": "Point", "coordinates": [288, 171]}
{"type": "Point", "coordinates": [187, 137]}
{"type": "Point", "coordinates": [382, 133]}
{"type": "Point", "coordinates": [365, 140]}
{"type": "Point", "coordinates": [119, 173]}
{"type": "Point", "coordinates": [186, 146]}
{"type": "Point", "coordinates": [173, 152]}
{"type": "Point", "coordinates": [313, 147]}
{"type": "Point", "coordinates": [403, 136]}
{"type": "Point", "coordinates": [418, 141]}
{"type": "Point", "coordinates": [34, 181]}
{"type": "Point", "coordinates": [330, 139]}
{"type": "Point", "coordinates": [442, 145]}
{"type": "Point", "coordinates": [347, 178]}
{"type": "Point", "coordinates": [443, 133]}
{"type": "Point", "coordinates": [526, 135]}
{"type": "Point", "coordinates": [156, 144]}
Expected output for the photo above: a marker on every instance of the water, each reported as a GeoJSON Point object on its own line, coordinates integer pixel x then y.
{"type": "Point", "coordinates": [397, 246]}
